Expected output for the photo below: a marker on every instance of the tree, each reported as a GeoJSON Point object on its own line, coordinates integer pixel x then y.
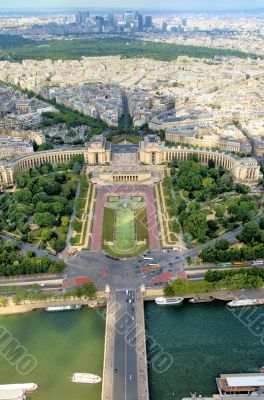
{"type": "Point", "coordinates": [65, 221]}
{"type": "Point", "coordinates": [196, 224]}
{"type": "Point", "coordinates": [57, 207]}
{"type": "Point", "coordinates": [21, 179]}
{"type": "Point", "coordinates": [53, 188]}
{"type": "Point", "coordinates": [208, 182]}
{"type": "Point", "coordinates": [76, 225]}
{"type": "Point", "coordinates": [46, 234]}
{"type": "Point", "coordinates": [226, 181]}
{"type": "Point", "coordinates": [76, 159]}
{"type": "Point", "coordinates": [261, 223]}
{"type": "Point", "coordinates": [77, 168]}
{"type": "Point", "coordinates": [58, 244]}
{"type": "Point", "coordinates": [44, 219]}
{"type": "Point", "coordinates": [222, 244]}
{"type": "Point", "coordinates": [23, 196]}
{"type": "Point", "coordinates": [41, 197]}
{"type": "Point", "coordinates": [251, 233]}
{"type": "Point", "coordinates": [46, 168]}
{"type": "Point", "coordinates": [42, 207]}
{"type": "Point", "coordinates": [243, 189]}
{"type": "Point", "coordinates": [44, 147]}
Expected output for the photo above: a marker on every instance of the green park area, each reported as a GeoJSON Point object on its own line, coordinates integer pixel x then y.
{"type": "Point", "coordinates": [125, 224]}
{"type": "Point", "coordinates": [206, 200]}
{"type": "Point", "coordinates": [20, 49]}
{"type": "Point", "coordinates": [38, 211]}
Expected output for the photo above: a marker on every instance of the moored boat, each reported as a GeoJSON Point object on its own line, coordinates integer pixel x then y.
{"type": "Point", "coordinates": [25, 387]}
{"type": "Point", "coordinates": [196, 300]}
{"type": "Point", "coordinates": [168, 300]}
{"type": "Point", "coordinates": [74, 307]}
{"type": "Point", "coordinates": [12, 394]}
{"type": "Point", "coordinates": [246, 303]}
{"type": "Point", "coordinates": [79, 377]}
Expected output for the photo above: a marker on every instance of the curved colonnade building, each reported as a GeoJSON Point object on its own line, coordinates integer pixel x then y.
{"type": "Point", "coordinates": [147, 162]}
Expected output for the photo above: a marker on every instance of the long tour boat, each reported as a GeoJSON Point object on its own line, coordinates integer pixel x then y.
{"type": "Point", "coordinates": [26, 387]}
{"type": "Point", "coordinates": [246, 303]}
{"type": "Point", "coordinates": [74, 307]}
{"type": "Point", "coordinates": [85, 378]}
{"type": "Point", "coordinates": [163, 301]}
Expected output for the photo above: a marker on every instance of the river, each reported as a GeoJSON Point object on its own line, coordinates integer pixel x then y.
{"type": "Point", "coordinates": [203, 341]}
{"type": "Point", "coordinates": [61, 343]}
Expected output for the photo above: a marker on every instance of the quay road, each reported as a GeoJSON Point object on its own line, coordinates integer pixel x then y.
{"type": "Point", "coordinates": [125, 363]}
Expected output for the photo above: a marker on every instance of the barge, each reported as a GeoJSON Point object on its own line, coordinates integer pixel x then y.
{"type": "Point", "coordinates": [74, 307]}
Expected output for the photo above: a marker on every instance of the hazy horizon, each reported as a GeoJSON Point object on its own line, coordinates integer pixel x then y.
{"type": "Point", "coordinates": [189, 5]}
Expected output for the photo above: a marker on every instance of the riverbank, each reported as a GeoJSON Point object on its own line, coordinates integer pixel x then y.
{"type": "Point", "coordinates": [28, 306]}
{"type": "Point", "coordinates": [221, 294]}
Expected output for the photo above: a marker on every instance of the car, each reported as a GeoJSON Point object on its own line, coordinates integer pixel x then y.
{"type": "Point", "coordinates": [130, 377]}
{"type": "Point", "coordinates": [115, 370]}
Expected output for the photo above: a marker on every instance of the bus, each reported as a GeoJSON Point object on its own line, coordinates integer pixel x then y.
{"type": "Point", "coordinates": [257, 263]}
{"type": "Point", "coordinates": [225, 265]}
{"type": "Point", "coordinates": [238, 264]}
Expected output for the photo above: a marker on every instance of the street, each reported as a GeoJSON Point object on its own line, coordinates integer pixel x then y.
{"type": "Point", "coordinates": [125, 354]}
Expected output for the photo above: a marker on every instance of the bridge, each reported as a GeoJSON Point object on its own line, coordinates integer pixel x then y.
{"type": "Point", "coordinates": [125, 359]}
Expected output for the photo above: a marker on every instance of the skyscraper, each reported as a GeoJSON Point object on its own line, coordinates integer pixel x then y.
{"type": "Point", "coordinates": [164, 26]}
{"type": "Point", "coordinates": [111, 20]}
{"type": "Point", "coordinates": [99, 20]}
{"type": "Point", "coordinates": [148, 21]}
{"type": "Point", "coordinates": [139, 19]}
{"type": "Point", "coordinates": [129, 17]}
{"type": "Point", "coordinates": [81, 17]}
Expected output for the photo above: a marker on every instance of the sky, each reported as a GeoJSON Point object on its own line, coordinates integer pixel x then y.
{"type": "Point", "coordinates": [141, 4]}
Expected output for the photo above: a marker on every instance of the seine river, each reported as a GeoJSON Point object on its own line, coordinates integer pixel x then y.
{"type": "Point", "coordinates": [62, 343]}
{"type": "Point", "coordinates": [204, 340]}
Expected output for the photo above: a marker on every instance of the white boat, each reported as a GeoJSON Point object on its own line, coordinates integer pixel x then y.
{"type": "Point", "coordinates": [245, 303]}
{"type": "Point", "coordinates": [26, 387]}
{"type": "Point", "coordinates": [168, 300]}
{"type": "Point", "coordinates": [12, 394]}
{"type": "Point", "coordinates": [85, 378]}
{"type": "Point", "coordinates": [74, 307]}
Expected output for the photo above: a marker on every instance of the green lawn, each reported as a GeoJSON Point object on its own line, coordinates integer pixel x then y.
{"type": "Point", "coordinates": [108, 226]}
{"type": "Point", "coordinates": [125, 245]}
{"type": "Point", "coordinates": [142, 224]}
{"type": "Point", "coordinates": [113, 199]}
{"type": "Point", "coordinates": [125, 235]}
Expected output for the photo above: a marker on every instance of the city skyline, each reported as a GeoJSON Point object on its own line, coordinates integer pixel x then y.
{"type": "Point", "coordinates": [166, 4]}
